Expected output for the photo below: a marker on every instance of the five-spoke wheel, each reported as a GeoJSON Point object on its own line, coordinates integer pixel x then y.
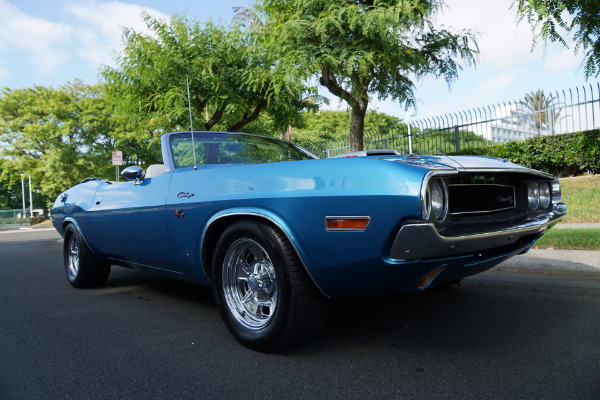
{"type": "Point", "coordinates": [264, 294]}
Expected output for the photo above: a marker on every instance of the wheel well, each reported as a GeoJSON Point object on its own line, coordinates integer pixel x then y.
{"type": "Point", "coordinates": [214, 231]}
{"type": "Point", "coordinates": [66, 224]}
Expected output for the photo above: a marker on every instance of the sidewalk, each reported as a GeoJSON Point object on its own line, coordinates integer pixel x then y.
{"type": "Point", "coordinates": [580, 225]}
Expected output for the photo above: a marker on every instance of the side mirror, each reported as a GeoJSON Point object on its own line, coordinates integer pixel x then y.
{"type": "Point", "coordinates": [135, 172]}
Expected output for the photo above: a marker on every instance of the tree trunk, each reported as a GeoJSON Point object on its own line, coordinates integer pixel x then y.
{"type": "Point", "coordinates": [289, 133]}
{"type": "Point", "coordinates": [357, 127]}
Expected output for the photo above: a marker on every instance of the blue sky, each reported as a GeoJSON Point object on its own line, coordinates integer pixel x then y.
{"type": "Point", "coordinates": [50, 42]}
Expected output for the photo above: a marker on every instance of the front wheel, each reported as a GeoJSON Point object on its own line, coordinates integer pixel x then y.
{"type": "Point", "coordinates": [83, 268]}
{"type": "Point", "coordinates": [264, 295]}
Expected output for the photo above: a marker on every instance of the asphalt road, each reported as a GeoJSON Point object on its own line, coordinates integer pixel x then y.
{"type": "Point", "coordinates": [499, 335]}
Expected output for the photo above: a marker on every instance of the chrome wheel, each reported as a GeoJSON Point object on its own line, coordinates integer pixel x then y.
{"type": "Point", "coordinates": [83, 268]}
{"type": "Point", "coordinates": [249, 284]}
{"type": "Point", "coordinates": [73, 257]}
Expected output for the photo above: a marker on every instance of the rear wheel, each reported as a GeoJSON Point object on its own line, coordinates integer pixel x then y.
{"type": "Point", "coordinates": [83, 268]}
{"type": "Point", "coordinates": [264, 295]}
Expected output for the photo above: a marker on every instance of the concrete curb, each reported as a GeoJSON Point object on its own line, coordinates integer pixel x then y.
{"type": "Point", "coordinates": [578, 225]}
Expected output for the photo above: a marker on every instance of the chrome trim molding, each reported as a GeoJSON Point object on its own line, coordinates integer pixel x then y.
{"type": "Point", "coordinates": [422, 240]}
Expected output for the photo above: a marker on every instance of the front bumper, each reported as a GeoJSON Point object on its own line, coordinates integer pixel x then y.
{"type": "Point", "coordinates": [421, 240]}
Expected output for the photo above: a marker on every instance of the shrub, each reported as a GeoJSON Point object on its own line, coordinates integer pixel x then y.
{"type": "Point", "coordinates": [566, 154]}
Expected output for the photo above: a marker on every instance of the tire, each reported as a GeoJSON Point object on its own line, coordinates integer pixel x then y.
{"type": "Point", "coordinates": [83, 268]}
{"type": "Point", "coordinates": [265, 297]}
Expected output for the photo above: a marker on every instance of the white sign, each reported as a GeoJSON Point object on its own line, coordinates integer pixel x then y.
{"type": "Point", "coordinates": [117, 157]}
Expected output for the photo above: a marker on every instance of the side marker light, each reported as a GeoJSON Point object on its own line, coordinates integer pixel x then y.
{"type": "Point", "coordinates": [347, 223]}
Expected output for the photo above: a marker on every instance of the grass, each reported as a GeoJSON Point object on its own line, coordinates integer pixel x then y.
{"type": "Point", "coordinates": [574, 239]}
{"type": "Point", "coordinates": [581, 194]}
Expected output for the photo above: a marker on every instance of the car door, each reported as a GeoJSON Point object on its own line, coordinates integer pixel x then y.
{"type": "Point", "coordinates": [129, 224]}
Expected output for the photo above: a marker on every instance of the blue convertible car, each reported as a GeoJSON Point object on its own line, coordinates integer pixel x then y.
{"type": "Point", "coordinates": [277, 232]}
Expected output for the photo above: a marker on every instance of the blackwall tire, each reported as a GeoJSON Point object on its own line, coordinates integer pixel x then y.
{"type": "Point", "coordinates": [83, 268]}
{"type": "Point", "coordinates": [265, 297]}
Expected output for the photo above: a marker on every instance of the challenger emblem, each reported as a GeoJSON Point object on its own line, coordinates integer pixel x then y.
{"type": "Point", "coordinates": [505, 200]}
{"type": "Point", "coordinates": [179, 213]}
{"type": "Point", "coordinates": [184, 194]}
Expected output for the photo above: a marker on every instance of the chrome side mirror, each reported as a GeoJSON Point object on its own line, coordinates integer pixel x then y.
{"type": "Point", "coordinates": [134, 172]}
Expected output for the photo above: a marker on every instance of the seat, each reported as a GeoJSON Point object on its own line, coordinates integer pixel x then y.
{"type": "Point", "coordinates": [155, 169]}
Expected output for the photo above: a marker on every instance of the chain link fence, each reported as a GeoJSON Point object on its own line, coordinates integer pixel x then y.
{"type": "Point", "coordinates": [14, 218]}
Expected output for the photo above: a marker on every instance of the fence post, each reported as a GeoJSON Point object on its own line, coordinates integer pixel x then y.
{"type": "Point", "coordinates": [456, 138]}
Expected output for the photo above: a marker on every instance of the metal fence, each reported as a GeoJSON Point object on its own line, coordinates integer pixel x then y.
{"type": "Point", "coordinates": [14, 217]}
{"type": "Point", "coordinates": [546, 113]}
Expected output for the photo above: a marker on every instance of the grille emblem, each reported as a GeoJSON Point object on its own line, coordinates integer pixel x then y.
{"type": "Point", "coordinates": [505, 200]}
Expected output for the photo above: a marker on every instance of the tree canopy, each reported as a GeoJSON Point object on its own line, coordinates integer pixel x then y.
{"type": "Point", "coordinates": [230, 79]}
{"type": "Point", "coordinates": [358, 49]}
{"type": "Point", "coordinates": [58, 136]}
{"type": "Point", "coordinates": [327, 125]}
{"type": "Point", "coordinates": [579, 17]}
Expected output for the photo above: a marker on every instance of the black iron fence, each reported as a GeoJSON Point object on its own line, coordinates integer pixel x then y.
{"type": "Point", "coordinates": [538, 114]}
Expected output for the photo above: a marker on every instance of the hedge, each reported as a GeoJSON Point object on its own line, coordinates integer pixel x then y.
{"type": "Point", "coordinates": [561, 155]}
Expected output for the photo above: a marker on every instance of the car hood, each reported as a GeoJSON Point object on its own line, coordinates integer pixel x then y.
{"type": "Point", "coordinates": [456, 162]}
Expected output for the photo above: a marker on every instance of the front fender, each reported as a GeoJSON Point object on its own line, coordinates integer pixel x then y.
{"type": "Point", "coordinates": [220, 219]}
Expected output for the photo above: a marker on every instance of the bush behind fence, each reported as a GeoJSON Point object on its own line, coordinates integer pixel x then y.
{"type": "Point", "coordinates": [567, 111]}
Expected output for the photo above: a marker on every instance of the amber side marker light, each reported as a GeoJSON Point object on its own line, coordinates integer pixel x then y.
{"type": "Point", "coordinates": [347, 223]}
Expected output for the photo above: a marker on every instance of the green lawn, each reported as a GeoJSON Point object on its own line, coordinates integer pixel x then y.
{"type": "Point", "coordinates": [581, 194]}
{"type": "Point", "coordinates": [573, 239]}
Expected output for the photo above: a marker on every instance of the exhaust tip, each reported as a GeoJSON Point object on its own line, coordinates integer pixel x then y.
{"type": "Point", "coordinates": [430, 277]}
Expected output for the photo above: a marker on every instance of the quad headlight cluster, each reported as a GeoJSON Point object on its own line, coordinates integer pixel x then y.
{"type": "Point", "coordinates": [539, 194]}
{"type": "Point", "coordinates": [436, 200]}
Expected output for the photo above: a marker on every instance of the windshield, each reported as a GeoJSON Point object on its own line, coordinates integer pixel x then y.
{"type": "Point", "coordinates": [223, 148]}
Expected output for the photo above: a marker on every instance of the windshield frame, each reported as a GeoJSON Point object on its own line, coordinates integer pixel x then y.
{"type": "Point", "coordinates": [168, 139]}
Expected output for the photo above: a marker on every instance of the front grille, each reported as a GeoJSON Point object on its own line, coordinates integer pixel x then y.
{"type": "Point", "coordinates": [480, 198]}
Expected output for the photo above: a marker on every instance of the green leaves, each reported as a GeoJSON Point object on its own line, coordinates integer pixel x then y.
{"type": "Point", "coordinates": [358, 49]}
{"type": "Point", "coordinates": [561, 155]}
{"type": "Point", "coordinates": [579, 17]}
{"type": "Point", "coordinates": [231, 79]}
{"type": "Point", "coordinates": [58, 136]}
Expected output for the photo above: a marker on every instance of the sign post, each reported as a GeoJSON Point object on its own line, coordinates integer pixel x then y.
{"type": "Point", "coordinates": [117, 159]}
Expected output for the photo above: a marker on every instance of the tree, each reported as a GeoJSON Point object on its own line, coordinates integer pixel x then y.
{"type": "Point", "coordinates": [58, 136]}
{"type": "Point", "coordinates": [230, 79]}
{"type": "Point", "coordinates": [580, 17]}
{"type": "Point", "coordinates": [332, 125]}
{"type": "Point", "coordinates": [544, 109]}
{"type": "Point", "coordinates": [360, 48]}
{"type": "Point", "coordinates": [10, 198]}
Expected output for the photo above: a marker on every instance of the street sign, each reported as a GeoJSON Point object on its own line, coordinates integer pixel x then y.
{"type": "Point", "coordinates": [117, 157]}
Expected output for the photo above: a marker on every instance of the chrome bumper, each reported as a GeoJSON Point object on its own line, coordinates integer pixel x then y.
{"type": "Point", "coordinates": [422, 240]}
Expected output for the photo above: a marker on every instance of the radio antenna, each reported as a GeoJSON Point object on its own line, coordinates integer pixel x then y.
{"type": "Point", "coordinates": [187, 83]}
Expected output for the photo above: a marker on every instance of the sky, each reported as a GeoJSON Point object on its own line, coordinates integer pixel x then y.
{"type": "Point", "coordinates": [51, 42]}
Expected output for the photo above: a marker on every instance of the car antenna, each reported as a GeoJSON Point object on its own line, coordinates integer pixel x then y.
{"type": "Point", "coordinates": [187, 83]}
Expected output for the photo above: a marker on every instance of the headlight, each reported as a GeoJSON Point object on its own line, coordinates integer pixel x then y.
{"type": "Point", "coordinates": [544, 195]}
{"type": "Point", "coordinates": [533, 195]}
{"type": "Point", "coordinates": [439, 199]}
{"type": "Point", "coordinates": [556, 193]}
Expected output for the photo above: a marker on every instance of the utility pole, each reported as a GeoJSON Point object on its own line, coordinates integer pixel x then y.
{"type": "Point", "coordinates": [23, 193]}
{"type": "Point", "coordinates": [30, 200]}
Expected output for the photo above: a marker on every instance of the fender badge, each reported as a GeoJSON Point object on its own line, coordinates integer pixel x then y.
{"type": "Point", "coordinates": [184, 194]}
{"type": "Point", "coordinates": [179, 213]}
